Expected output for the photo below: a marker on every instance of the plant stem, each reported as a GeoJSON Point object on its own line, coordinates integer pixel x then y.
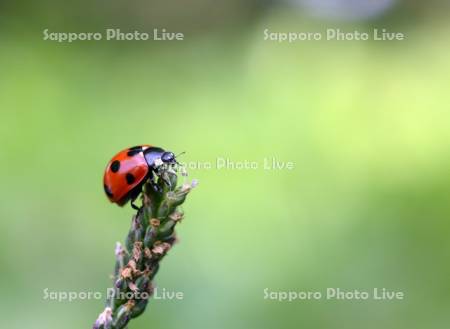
{"type": "Point", "coordinates": [150, 237]}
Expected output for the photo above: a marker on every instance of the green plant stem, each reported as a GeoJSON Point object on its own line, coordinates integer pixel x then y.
{"type": "Point", "coordinates": [149, 239]}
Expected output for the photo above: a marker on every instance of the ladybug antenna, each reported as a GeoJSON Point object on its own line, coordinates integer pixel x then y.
{"type": "Point", "coordinates": [176, 156]}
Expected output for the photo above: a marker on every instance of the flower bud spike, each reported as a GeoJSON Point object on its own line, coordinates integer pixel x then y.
{"type": "Point", "coordinates": [150, 237]}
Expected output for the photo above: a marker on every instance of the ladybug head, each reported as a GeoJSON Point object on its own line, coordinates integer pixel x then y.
{"type": "Point", "coordinates": [168, 157]}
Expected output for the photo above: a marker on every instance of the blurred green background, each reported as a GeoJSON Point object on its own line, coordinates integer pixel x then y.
{"type": "Point", "coordinates": [367, 125]}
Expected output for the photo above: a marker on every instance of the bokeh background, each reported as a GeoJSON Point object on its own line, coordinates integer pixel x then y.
{"type": "Point", "coordinates": [367, 125]}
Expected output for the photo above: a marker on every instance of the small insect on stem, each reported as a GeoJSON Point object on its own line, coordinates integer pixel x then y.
{"type": "Point", "coordinates": [129, 169]}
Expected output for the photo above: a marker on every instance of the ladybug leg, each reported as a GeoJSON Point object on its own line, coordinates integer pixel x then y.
{"type": "Point", "coordinates": [134, 206]}
{"type": "Point", "coordinates": [161, 175]}
{"type": "Point", "coordinates": [167, 182]}
{"type": "Point", "coordinates": [133, 196]}
{"type": "Point", "coordinates": [156, 187]}
{"type": "Point", "coordinates": [153, 183]}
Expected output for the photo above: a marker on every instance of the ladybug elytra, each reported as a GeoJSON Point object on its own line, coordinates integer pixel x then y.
{"type": "Point", "coordinates": [129, 169]}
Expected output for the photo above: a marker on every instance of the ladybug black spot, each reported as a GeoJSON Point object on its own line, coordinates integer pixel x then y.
{"type": "Point", "coordinates": [130, 178]}
{"type": "Point", "coordinates": [115, 166]}
{"type": "Point", "coordinates": [108, 191]}
{"type": "Point", "coordinates": [132, 151]}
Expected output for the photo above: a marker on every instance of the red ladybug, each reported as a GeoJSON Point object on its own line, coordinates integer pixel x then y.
{"type": "Point", "coordinates": [129, 169]}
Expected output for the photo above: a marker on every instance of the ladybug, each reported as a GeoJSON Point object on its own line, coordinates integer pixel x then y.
{"type": "Point", "coordinates": [129, 169]}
